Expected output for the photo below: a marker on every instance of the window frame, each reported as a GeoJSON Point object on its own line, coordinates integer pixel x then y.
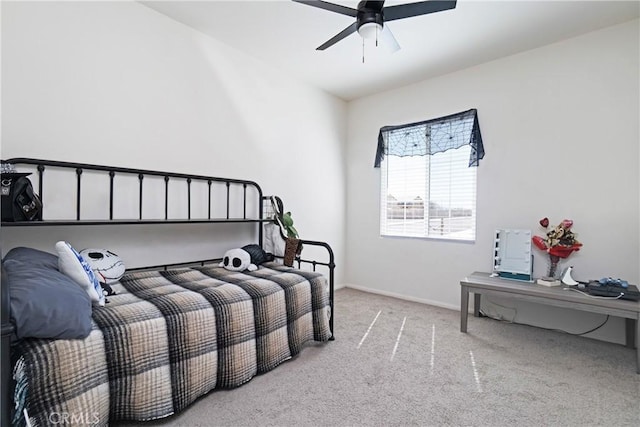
{"type": "Point", "coordinates": [444, 154]}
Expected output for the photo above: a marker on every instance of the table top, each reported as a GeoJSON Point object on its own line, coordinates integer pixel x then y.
{"type": "Point", "coordinates": [482, 280]}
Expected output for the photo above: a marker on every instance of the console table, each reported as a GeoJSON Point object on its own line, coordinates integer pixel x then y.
{"type": "Point", "coordinates": [483, 284]}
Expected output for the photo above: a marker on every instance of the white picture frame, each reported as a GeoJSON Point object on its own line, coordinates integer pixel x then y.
{"type": "Point", "coordinates": [512, 257]}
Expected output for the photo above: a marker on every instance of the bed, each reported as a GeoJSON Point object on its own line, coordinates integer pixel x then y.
{"type": "Point", "coordinates": [170, 333]}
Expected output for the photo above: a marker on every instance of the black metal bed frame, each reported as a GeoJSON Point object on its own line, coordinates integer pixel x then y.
{"type": "Point", "coordinates": [6, 382]}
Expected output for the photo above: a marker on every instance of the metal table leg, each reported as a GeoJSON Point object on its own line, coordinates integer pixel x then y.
{"type": "Point", "coordinates": [464, 308]}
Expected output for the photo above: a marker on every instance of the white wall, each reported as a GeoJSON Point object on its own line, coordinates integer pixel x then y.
{"type": "Point", "coordinates": [561, 132]}
{"type": "Point", "coordinates": [117, 83]}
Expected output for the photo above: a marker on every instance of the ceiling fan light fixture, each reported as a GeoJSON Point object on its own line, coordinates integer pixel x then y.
{"type": "Point", "coordinates": [370, 17]}
{"type": "Point", "coordinates": [369, 30]}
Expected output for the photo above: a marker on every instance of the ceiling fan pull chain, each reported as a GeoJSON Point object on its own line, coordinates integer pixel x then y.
{"type": "Point", "coordinates": [363, 50]}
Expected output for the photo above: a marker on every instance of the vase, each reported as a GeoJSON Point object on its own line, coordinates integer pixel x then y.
{"type": "Point", "coordinates": [291, 249]}
{"type": "Point", "coordinates": [553, 266]}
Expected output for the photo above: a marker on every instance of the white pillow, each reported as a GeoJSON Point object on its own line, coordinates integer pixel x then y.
{"type": "Point", "coordinates": [71, 263]}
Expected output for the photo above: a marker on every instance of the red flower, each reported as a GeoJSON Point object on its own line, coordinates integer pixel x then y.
{"type": "Point", "coordinates": [560, 242]}
{"type": "Point", "coordinates": [539, 242]}
{"type": "Point", "coordinates": [563, 251]}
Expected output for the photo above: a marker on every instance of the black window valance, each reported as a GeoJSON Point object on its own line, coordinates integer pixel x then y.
{"type": "Point", "coordinates": [432, 136]}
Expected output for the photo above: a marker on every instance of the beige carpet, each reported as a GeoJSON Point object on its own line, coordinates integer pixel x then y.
{"type": "Point", "coordinates": [414, 367]}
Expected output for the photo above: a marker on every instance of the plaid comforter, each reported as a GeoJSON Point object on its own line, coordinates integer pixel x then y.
{"type": "Point", "coordinates": [169, 337]}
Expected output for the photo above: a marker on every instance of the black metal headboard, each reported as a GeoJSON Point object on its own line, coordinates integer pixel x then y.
{"type": "Point", "coordinates": [5, 356]}
{"type": "Point", "coordinates": [80, 169]}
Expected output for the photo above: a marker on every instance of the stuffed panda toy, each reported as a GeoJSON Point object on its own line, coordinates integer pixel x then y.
{"type": "Point", "coordinates": [248, 257]}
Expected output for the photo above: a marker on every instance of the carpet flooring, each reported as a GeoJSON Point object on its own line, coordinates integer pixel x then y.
{"type": "Point", "coordinates": [398, 363]}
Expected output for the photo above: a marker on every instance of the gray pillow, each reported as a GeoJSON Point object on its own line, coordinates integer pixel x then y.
{"type": "Point", "coordinates": [44, 302]}
{"type": "Point", "coordinates": [32, 256]}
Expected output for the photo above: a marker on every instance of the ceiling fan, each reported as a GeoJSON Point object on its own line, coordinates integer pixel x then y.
{"type": "Point", "coordinates": [371, 16]}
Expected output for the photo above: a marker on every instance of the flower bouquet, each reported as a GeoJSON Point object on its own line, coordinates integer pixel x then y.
{"type": "Point", "coordinates": [560, 242]}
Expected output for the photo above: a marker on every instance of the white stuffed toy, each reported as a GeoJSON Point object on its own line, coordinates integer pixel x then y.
{"type": "Point", "coordinates": [106, 264]}
{"type": "Point", "coordinates": [237, 260]}
{"type": "Point", "coordinates": [246, 258]}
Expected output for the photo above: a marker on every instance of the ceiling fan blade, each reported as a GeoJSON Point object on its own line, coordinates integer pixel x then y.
{"type": "Point", "coordinates": [335, 39]}
{"type": "Point", "coordinates": [388, 41]}
{"type": "Point", "coordinates": [408, 10]}
{"type": "Point", "coordinates": [343, 10]}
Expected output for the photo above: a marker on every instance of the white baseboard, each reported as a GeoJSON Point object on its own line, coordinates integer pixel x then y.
{"type": "Point", "coordinates": [401, 296]}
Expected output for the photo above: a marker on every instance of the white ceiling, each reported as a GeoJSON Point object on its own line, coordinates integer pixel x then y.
{"type": "Point", "coordinates": [285, 35]}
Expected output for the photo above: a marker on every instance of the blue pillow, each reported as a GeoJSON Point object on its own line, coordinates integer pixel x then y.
{"type": "Point", "coordinates": [45, 303]}
{"type": "Point", "coordinates": [32, 256]}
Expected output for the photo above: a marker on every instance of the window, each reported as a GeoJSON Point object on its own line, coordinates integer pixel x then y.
{"type": "Point", "coordinates": [428, 177]}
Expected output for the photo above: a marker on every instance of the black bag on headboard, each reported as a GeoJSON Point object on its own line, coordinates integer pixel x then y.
{"type": "Point", "coordinates": [19, 201]}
